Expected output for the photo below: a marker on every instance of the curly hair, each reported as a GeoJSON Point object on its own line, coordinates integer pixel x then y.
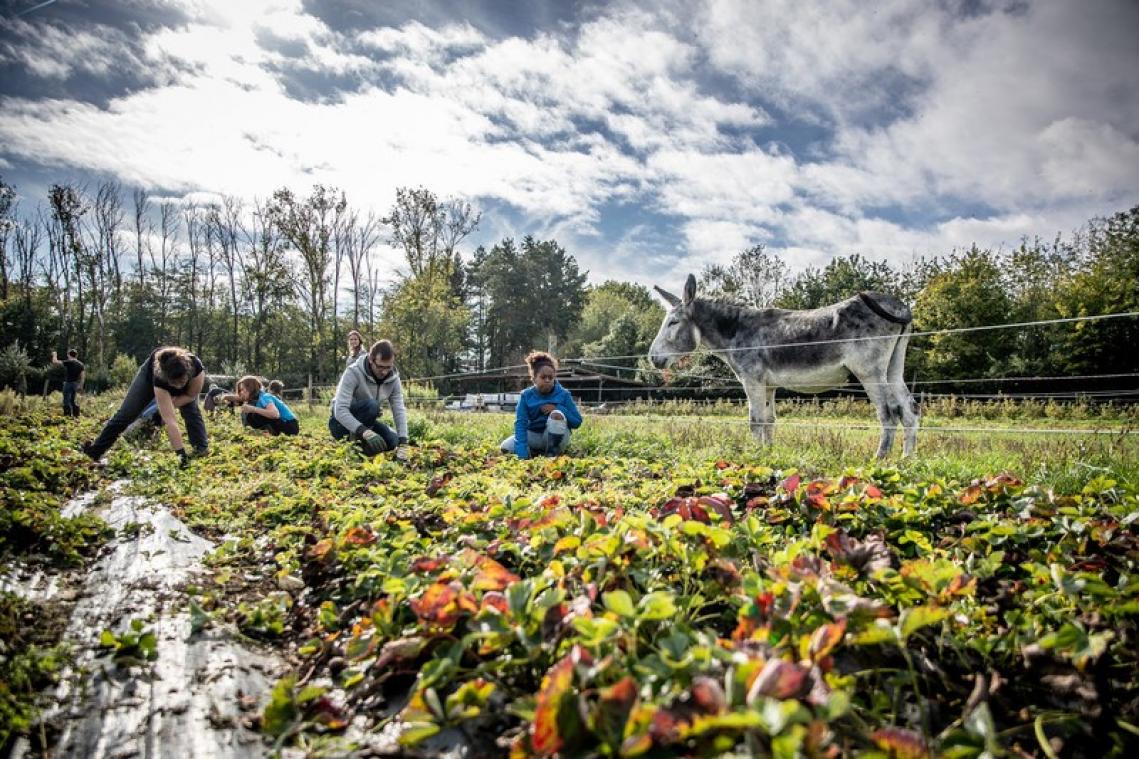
{"type": "Point", "coordinates": [537, 359]}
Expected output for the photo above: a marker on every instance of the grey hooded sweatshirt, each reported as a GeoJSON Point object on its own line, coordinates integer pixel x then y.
{"type": "Point", "coordinates": [357, 383]}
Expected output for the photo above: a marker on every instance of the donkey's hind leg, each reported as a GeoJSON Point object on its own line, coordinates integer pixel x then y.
{"type": "Point", "coordinates": [903, 406]}
{"type": "Point", "coordinates": [881, 395]}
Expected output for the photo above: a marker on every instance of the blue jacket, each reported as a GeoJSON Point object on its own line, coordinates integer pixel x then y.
{"type": "Point", "coordinates": [529, 417]}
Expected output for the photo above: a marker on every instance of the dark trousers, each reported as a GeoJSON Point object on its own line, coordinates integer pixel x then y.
{"type": "Point", "coordinates": [275, 426]}
{"type": "Point", "coordinates": [139, 394]}
{"type": "Point", "coordinates": [367, 412]}
{"type": "Point", "coordinates": [70, 399]}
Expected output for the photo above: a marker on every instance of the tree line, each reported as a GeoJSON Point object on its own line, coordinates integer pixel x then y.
{"type": "Point", "coordinates": [273, 286]}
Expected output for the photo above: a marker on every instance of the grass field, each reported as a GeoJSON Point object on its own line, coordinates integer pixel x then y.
{"type": "Point", "coordinates": [671, 588]}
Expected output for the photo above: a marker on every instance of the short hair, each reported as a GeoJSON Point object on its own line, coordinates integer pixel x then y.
{"type": "Point", "coordinates": [276, 387]}
{"type": "Point", "coordinates": [537, 359]}
{"type": "Point", "coordinates": [72, 353]}
{"type": "Point", "coordinates": [381, 349]}
{"type": "Point", "coordinates": [172, 364]}
{"type": "Point", "coordinates": [251, 385]}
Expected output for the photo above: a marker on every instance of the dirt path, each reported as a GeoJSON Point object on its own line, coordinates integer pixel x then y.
{"type": "Point", "coordinates": [187, 703]}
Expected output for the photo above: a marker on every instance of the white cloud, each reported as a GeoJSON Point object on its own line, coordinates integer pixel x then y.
{"type": "Point", "coordinates": [914, 110]}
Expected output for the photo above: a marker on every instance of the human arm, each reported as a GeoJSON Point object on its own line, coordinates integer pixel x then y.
{"type": "Point", "coordinates": [82, 379]}
{"type": "Point", "coordinates": [166, 412]}
{"type": "Point", "coordinates": [521, 441]}
{"type": "Point", "coordinates": [569, 409]}
{"type": "Point", "coordinates": [190, 395]}
{"type": "Point", "coordinates": [269, 410]}
{"type": "Point", "coordinates": [342, 404]}
{"type": "Point", "coordinates": [399, 411]}
{"type": "Point", "coordinates": [55, 359]}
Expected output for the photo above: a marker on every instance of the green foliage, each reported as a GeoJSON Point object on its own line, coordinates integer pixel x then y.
{"type": "Point", "coordinates": [123, 370]}
{"type": "Point", "coordinates": [38, 470]}
{"type": "Point", "coordinates": [14, 366]}
{"type": "Point", "coordinates": [529, 297]}
{"type": "Point", "coordinates": [427, 322]}
{"type": "Point", "coordinates": [134, 646]}
{"type": "Point", "coordinates": [30, 660]}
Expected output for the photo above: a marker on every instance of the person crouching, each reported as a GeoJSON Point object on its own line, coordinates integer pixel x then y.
{"type": "Point", "coordinates": [262, 410]}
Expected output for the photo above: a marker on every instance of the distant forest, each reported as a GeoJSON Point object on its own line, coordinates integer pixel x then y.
{"type": "Point", "coordinates": [273, 287]}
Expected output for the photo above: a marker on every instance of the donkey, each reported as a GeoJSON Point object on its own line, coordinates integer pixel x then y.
{"type": "Point", "coordinates": [865, 335]}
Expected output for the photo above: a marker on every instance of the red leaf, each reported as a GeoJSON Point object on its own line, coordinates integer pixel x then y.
{"type": "Point", "coordinates": [872, 492]}
{"type": "Point", "coordinates": [425, 565]}
{"type": "Point", "coordinates": [545, 738]}
{"type": "Point", "coordinates": [442, 604]}
{"type": "Point", "coordinates": [721, 464]}
{"type": "Point", "coordinates": [491, 575]}
{"type": "Point", "coordinates": [708, 695]}
{"type": "Point", "coordinates": [824, 640]}
{"type": "Point", "coordinates": [791, 484]}
{"type": "Point", "coordinates": [360, 536]}
{"type": "Point", "coordinates": [780, 679]}
{"type": "Point", "coordinates": [495, 600]}
{"type": "Point", "coordinates": [438, 483]}
{"type": "Point", "coordinates": [721, 504]}
{"type": "Point", "coordinates": [900, 743]}
{"type": "Point", "coordinates": [614, 705]}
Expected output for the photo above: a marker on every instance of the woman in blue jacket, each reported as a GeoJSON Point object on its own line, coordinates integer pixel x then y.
{"type": "Point", "coordinates": [546, 412]}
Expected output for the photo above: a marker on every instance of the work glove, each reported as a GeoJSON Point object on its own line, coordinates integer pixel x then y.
{"type": "Point", "coordinates": [402, 453]}
{"type": "Point", "coordinates": [183, 458]}
{"type": "Point", "coordinates": [373, 444]}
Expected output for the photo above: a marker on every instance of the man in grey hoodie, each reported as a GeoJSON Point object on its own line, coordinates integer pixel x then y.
{"type": "Point", "coordinates": [363, 388]}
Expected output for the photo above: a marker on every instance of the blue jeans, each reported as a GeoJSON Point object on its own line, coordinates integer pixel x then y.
{"type": "Point", "coordinates": [70, 403]}
{"type": "Point", "coordinates": [547, 442]}
{"type": "Point", "coordinates": [139, 399]}
{"type": "Point", "coordinates": [367, 412]}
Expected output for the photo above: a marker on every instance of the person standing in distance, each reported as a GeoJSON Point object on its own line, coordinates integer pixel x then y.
{"type": "Point", "coordinates": [73, 375]}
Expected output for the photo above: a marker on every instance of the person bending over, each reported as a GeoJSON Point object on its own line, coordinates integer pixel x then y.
{"type": "Point", "coordinates": [546, 412]}
{"type": "Point", "coordinates": [172, 378]}
{"type": "Point", "coordinates": [363, 388]}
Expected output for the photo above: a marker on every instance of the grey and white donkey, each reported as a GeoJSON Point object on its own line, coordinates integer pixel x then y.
{"type": "Point", "coordinates": [865, 335]}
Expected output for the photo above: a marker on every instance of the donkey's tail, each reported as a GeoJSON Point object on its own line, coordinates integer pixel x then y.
{"type": "Point", "coordinates": [887, 306]}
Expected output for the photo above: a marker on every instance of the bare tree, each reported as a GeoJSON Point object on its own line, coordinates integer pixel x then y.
{"type": "Point", "coordinates": [7, 215]}
{"type": "Point", "coordinates": [308, 227]}
{"type": "Point", "coordinates": [26, 238]}
{"type": "Point", "coordinates": [266, 277]}
{"type": "Point", "coordinates": [162, 265]}
{"type": "Point", "coordinates": [143, 228]}
{"type": "Point", "coordinates": [67, 208]}
{"type": "Point", "coordinates": [364, 234]}
{"type": "Point", "coordinates": [227, 230]}
{"type": "Point", "coordinates": [197, 236]}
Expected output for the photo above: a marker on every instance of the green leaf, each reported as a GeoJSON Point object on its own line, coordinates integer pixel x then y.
{"type": "Point", "coordinates": [620, 603]}
{"type": "Point", "coordinates": [657, 606]}
{"type": "Point", "coordinates": [917, 617]}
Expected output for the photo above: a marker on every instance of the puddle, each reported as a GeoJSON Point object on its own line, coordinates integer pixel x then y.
{"type": "Point", "coordinates": [187, 703]}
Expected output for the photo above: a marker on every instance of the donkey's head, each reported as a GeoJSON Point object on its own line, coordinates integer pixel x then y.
{"type": "Point", "coordinates": [678, 334]}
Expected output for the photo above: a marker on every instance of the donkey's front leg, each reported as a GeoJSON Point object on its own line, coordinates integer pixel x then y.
{"type": "Point", "coordinates": [761, 411]}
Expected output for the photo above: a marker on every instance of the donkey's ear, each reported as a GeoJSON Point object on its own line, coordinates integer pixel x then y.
{"type": "Point", "coordinates": [672, 299]}
{"type": "Point", "coordinates": [690, 289]}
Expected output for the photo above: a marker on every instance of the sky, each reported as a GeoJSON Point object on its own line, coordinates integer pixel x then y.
{"type": "Point", "coordinates": [648, 138]}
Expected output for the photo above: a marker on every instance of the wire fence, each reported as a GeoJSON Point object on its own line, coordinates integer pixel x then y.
{"type": "Point", "coordinates": [730, 391]}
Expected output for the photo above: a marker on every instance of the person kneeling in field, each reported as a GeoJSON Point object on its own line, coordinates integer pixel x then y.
{"type": "Point", "coordinates": [363, 388]}
{"type": "Point", "coordinates": [172, 378]}
{"type": "Point", "coordinates": [262, 410]}
{"type": "Point", "coordinates": [546, 412]}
